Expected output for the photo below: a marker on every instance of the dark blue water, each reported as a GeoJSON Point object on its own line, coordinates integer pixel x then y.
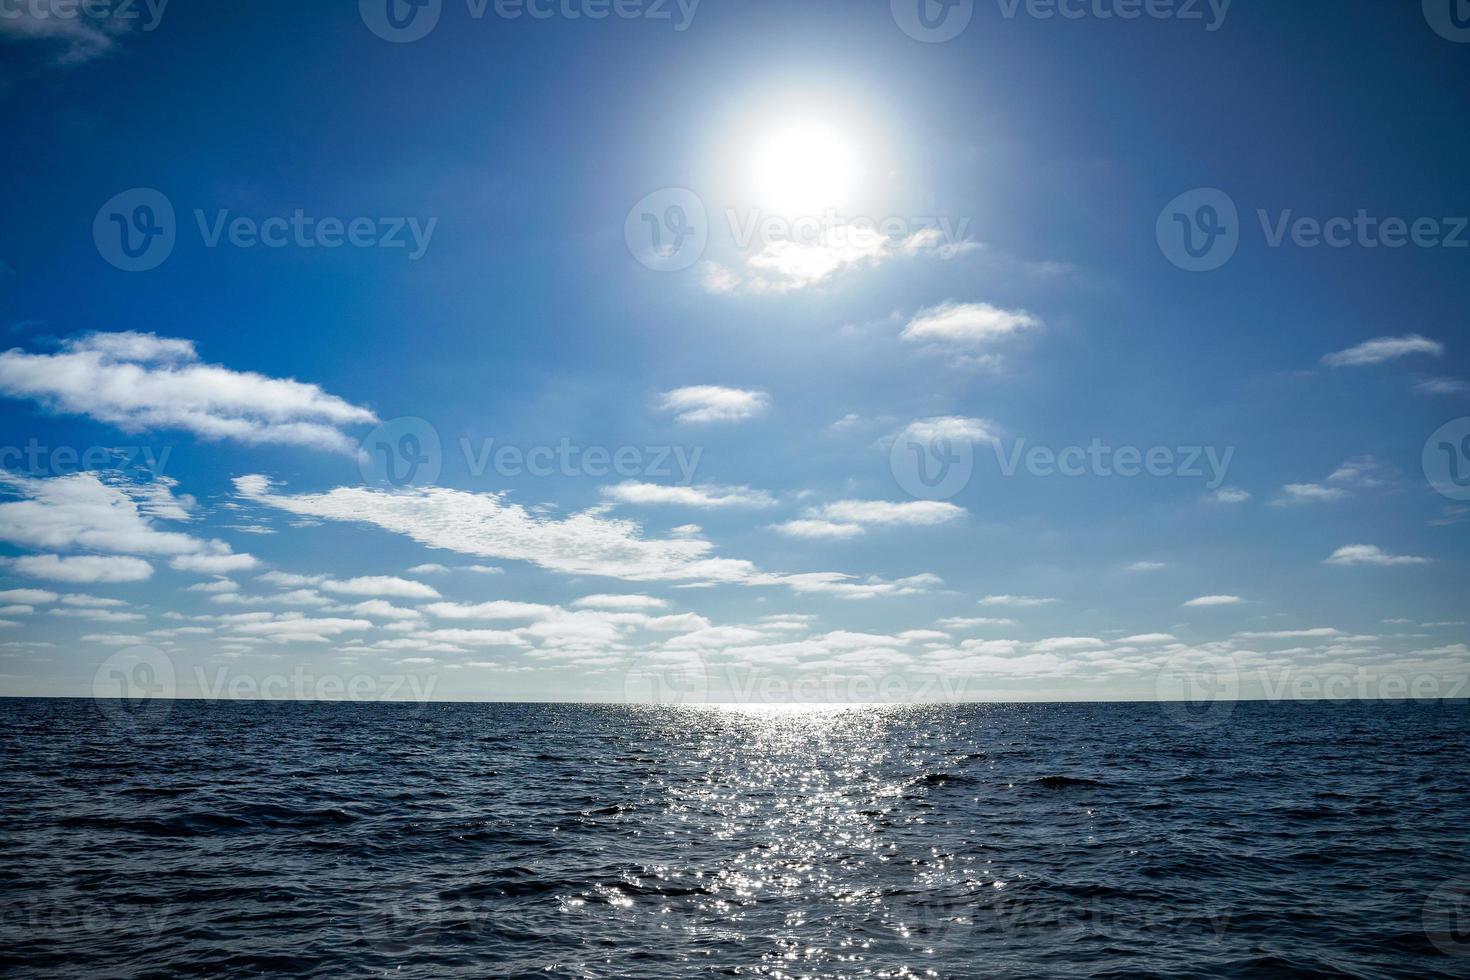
{"type": "Point", "coordinates": [583, 841]}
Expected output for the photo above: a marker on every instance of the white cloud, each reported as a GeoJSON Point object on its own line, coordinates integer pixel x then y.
{"type": "Point", "coordinates": [718, 279]}
{"type": "Point", "coordinates": [79, 36]}
{"type": "Point", "coordinates": [300, 629]}
{"type": "Point", "coordinates": [1146, 566]}
{"type": "Point", "coordinates": [497, 609]}
{"type": "Point", "coordinates": [106, 513]}
{"type": "Point", "coordinates": [1015, 601]}
{"type": "Point", "coordinates": [114, 639]}
{"type": "Point", "coordinates": [1367, 554]}
{"type": "Point", "coordinates": [37, 597]}
{"type": "Point", "coordinates": [911, 513]}
{"type": "Point", "coordinates": [1307, 493]}
{"type": "Point", "coordinates": [1320, 632]}
{"type": "Point", "coordinates": [790, 264]}
{"type": "Point", "coordinates": [1442, 386]}
{"type": "Point", "coordinates": [952, 427]}
{"type": "Point", "coordinates": [966, 622]}
{"type": "Point", "coordinates": [849, 518]}
{"type": "Point", "coordinates": [138, 382]}
{"type": "Point", "coordinates": [1355, 474]}
{"type": "Point", "coordinates": [705, 496]}
{"type": "Point", "coordinates": [847, 587]}
{"type": "Point", "coordinates": [968, 324]}
{"type": "Point", "coordinates": [99, 615]}
{"type": "Point", "coordinates": [587, 543]}
{"type": "Point", "coordinates": [83, 568]}
{"type": "Point", "coordinates": [1062, 644]}
{"type": "Point", "coordinates": [818, 530]}
{"type": "Point", "coordinates": [1382, 349]}
{"type": "Point", "coordinates": [298, 597]}
{"type": "Point", "coordinates": [604, 601]}
{"type": "Point", "coordinates": [380, 585]}
{"type": "Point", "coordinates": [1214, 600]}
{"type": "Point", "coordinates": [289, 580]}
{"type": "Point", "coordinates": [1361, 471]}
{"type": "Point", "coordinates": [216, 587]}
{"type": "Point", "coordinates": [1229, 495]}
{"type": "Point", "coordinates": [382, 609]}
{"type": "Point", "coordinates": [82, 511]}
{"type": "Point", "coordinates": [713, 403]}
{"type": "Point", "coordinates": [214, 564]}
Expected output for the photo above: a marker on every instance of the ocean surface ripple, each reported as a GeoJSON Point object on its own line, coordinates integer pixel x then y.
{"type": "Point", "coordinates": [503, 840]}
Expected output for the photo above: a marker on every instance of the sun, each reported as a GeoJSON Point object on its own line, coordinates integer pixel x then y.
{"type": "Point", "coordinates": [804, 167]}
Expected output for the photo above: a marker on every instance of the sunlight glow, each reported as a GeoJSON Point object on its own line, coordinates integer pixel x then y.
{"type": "Point", "coordinates": [805, 167]}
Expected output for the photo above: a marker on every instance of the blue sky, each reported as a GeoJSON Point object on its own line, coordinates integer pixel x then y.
{"type": "Point", "coordinates": [986, 268]}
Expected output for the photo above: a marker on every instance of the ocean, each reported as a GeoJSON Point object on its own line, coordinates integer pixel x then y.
{"type": "Point", "coordinates": [544, 840]}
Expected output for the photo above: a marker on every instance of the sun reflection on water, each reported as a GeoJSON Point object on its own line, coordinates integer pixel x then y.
{"type": "Point", "coordinates": [796, 830]}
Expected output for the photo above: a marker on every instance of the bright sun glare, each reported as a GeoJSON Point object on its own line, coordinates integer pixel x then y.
{"type": "Point", "coordinates": [804, 168]}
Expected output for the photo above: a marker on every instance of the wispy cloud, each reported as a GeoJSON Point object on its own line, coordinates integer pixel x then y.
{"type": "Point", "coordinates": [79, 34]}
{"type": "Point", "coordinates": [971, 324]}
{"type": "Point", "coordinates": [214, 564]}
{"type": "Point", "coordinates": [849, 518]}
{"type": "Point", "coordinates": [34, 597]}
{"type": "Point", "coordinates": [107, 513]}
{"type": "Point", "coordinates": [970, 331]}
{"type": "Point", "coordinates": [1205, 601]}
{"type": "Point", "coordinates": [953, 427]}
{"type": "Point", "coordinates": [702, 496]}
{"type": "Point", "coordinates": [969, 622]}
{"type": "Point", "coordinates": [1063, 644]}
{"type": "Point", "coordinates": [1442, 386]}
{"type": "Point", "coordinates": [1368, 554]}
{"type": "Point", "coordinates": [630, 601]}
{"type": "Point", "coordinates": [140, 382]}
{"type": "Point", "coordinates": [1382, 349]}
{"type": "Point", "coordinates": [1016, 601]}
{"type": "Point", "coordinates": [1316, 632]}
{"type": "Point", "coordinates": [787, 265]}
{"type": "Point", "coordinates": [1228, 495]}
{"type": "Point", "coordinates": [380, 585]}
{"type": "Point", "coordinates": [586, 543]}
{"type": "Point", "coordinates": [818, 529]}
{"type": "Point", "coordinates": [908, 513]}
{"type": "Point", "coordinates": [1356, 474]}
{"type": "Point", "coordinates": [80, 569]}
{"type": "Point", "coordinates": [712, 403]}
{"type": "Point", "coordinates": [1307, 493]}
